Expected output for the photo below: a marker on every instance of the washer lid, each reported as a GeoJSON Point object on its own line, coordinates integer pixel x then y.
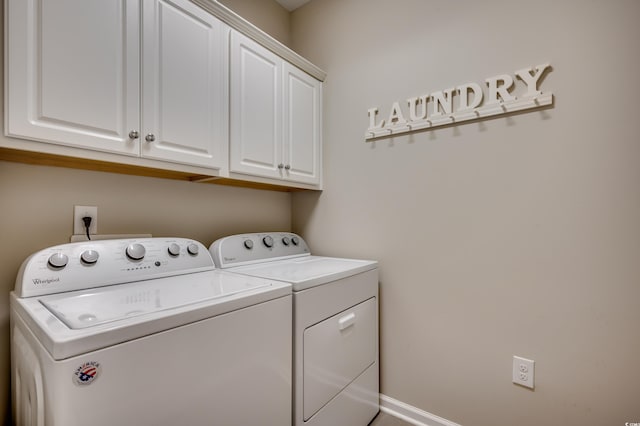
{"type": "Point", "coordinates": [78, 322]}
{"type": "Point", "coordinates": [309, 271]}
{"type": "Point", "coordinates": [90, 308]}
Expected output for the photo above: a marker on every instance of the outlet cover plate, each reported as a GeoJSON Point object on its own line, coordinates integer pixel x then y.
{"type": "Point", "coordinates": [523, 372]}
{"type": "Point", "coordinates": [78, 225]}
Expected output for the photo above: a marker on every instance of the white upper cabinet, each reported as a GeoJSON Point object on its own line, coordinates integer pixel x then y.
{"type": "Point", "coordinates": [256, 105]}
{"type": "Point", "coordinates": [302, 132]}
{"type": "Point", "coordinates": [184, 90]}
{"type": "Point", "coordinates": [141, 78]}
{"type": "Point", "coordinates": [73, 72]}
{"type": "Point", "coordinates": [160, 84]}
{"type": "Point", "coordinates": [274, 116]}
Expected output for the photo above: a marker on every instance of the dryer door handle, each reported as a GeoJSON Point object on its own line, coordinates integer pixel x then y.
{"type": "Point", "coordinates": [347, 321]}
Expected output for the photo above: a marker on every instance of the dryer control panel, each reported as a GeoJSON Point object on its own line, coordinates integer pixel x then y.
{"type": "Point", "coordinates": [77, 266]}
{"type": "Point", "coordinates": [244, 249]}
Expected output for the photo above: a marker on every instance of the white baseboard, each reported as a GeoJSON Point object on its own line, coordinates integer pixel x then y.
{"type": "Point", "coordinates": [411, 414]}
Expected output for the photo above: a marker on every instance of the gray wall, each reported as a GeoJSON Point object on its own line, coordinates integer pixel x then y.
{"type": "Point", "coordinates": [37, 212]}
{"type": "Point", "coordinates": [518, 235]}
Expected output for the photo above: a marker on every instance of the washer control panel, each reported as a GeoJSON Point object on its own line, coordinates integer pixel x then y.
{"type": "Point", "coordinates": [77, 266]}
{"type": "Point", "coordinates": [242, 249]}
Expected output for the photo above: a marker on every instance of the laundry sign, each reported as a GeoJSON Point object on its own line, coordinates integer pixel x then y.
{"type": "Point", "coordinates": [468, 101]}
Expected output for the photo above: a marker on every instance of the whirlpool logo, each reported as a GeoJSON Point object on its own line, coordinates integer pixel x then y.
{"type": "Point", "coordinates": [45, 281]}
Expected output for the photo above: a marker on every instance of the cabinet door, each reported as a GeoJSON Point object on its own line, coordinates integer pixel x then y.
{"type": "Point", "coordinates": [184, 96]}
{"type": "Point", "coordinates": [302, 148]}
{"type": "Point", "coordinates": [256, 109]}
{"type": "Point", "coordinates": [73, 72]}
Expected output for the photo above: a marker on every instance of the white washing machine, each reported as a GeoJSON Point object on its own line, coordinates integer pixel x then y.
{"type": "Point", "coordinates": [335, 323]}
{"type": "Point", "coordinates": [147, 332]}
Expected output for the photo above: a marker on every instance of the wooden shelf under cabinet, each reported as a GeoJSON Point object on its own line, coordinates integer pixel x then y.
{"type": "Point", "coordinates": [40, 159]}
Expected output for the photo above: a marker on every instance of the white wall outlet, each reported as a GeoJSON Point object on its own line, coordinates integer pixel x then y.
{"type": "Point", "coordinates": [523, 371]}
{"type": "Point", "coordinates": [78, 225]}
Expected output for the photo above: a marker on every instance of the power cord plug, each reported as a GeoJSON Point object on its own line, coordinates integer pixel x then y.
{"type": "Point", "coordinates": [87, 224]}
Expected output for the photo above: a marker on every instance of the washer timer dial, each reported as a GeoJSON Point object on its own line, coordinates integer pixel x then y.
{"type": "Point", "coordinates": [174, 249]}
{"type": "Point", "coordinates": [268, 241]}
{"type": "Point", "coordinates": [58, 260]}
{"type": "Point", "coordinates": [89, 257]}
{"type": "Point", "coordinates": [135, 251]}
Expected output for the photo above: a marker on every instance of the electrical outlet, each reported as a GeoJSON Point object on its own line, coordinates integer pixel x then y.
{"type": "Point", "coordinates": [83, 211]}
{"type": "Point", "coordinates": [523, 371]}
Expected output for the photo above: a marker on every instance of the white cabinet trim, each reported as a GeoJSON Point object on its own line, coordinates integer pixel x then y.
{"type": "Point", "coordinates": [242, 25]}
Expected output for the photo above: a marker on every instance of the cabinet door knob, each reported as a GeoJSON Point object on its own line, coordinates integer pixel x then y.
{"type": "Point", "coordinates": [280, 166]}
{"type": "Point", "coordinates": [150, 137]}
{"type": "Point", "coordinates": [134, 134]}
{"type": "Point", "coordinates": [287, 167]}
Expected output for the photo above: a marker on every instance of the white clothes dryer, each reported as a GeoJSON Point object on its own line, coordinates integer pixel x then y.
{"type": "Point", "coordinates": [147, 332]}
{"type": "Point", "coordinates": [335, 323]}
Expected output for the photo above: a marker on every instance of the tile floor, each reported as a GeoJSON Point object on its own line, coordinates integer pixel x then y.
{"type": "Point", "coordinates": [383, 419]}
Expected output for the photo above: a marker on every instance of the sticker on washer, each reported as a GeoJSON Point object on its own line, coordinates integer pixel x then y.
{"type": "Point", "coordinates": [87, 373]}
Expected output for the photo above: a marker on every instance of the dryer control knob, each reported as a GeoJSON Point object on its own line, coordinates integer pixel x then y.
{"type": "Point", "coordinates": [89, 257]}
{"type": "Point", "coordinates": [192, 249]}
{"type": "Point", "coordinates": [174, 249]}
{"type": "Point", "coordinates": [286, 241]}
{"type": "Point", "coordinates": [248, 244]}
{"type": "Point", "coordinates": [268, 241]}
{"type": "Point", "coordinates": [135, 251]}
{"type": "Point", "coordinates": [58, 260]}
{"type": "Point", "coordinates": [295, 240]}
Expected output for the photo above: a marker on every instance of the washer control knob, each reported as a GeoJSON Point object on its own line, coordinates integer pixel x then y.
{"type": "Point", "coordinates": [135, 251]}
{"type": "Point", "coordinates": [295, 240]}
{"type": "Point", "coordinates": [248, 244]}
{"type": "Point", "coordinates": [58, 260]}
{"type": "Point", "coordinates": [192, 249]}
{"type": "Point", "coordinates": [268, 241]}
{"type": "Point", "coordinates": [174, 249]}
{"type": "Point", "coordinates": [286, 241]}
{"type": "Point", "coordinates": [89, 257]}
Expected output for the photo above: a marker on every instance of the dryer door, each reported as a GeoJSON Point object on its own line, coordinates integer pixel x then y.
{"type": "Point", "coordinates": [336, 351]}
